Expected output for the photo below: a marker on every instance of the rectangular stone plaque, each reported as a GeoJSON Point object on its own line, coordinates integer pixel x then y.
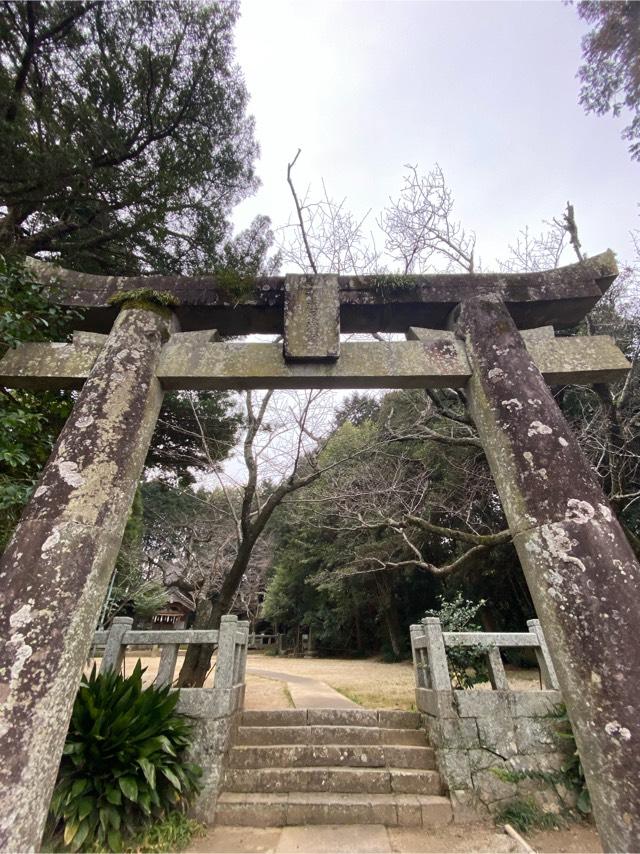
{"type": "Point", "coordinates": [311, 319]}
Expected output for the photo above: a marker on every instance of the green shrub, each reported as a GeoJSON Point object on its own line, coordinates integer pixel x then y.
{"type": "Point", "coordinates": [467, 664]}
{"type": "Point", "coordinates": [123, 763]}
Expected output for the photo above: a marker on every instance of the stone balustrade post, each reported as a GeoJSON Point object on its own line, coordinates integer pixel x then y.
{"type": "Point", "coordinates": [497, 675]}
{"type": "Point", "coordinates": [167, 664]}
{"type": "Point", "coordinates": [547, 670]}
{"type": "Point", "coordinates": [225, 658]}
{"type": "Point", "coordinates": [583, 576]}
{"type": "Point", "coordinates": [415, 632]}
{"type": "Point", "coordinates": [56, 568]}
{"type": "Point", "coordinates": [243, 625]}
{"type": "Point", "coordinates": [114, 648]}
{"type": "Point", "coordinates": [438, 669]}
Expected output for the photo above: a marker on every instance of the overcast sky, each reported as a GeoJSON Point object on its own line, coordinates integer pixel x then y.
{"type": "Point", "coordinates": [487, 89]}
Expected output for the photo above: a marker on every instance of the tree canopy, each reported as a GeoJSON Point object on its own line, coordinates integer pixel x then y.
{"type": "Point", "coordinates": [124, 137]}
{"type": "Point", "coordinates": [610, 74]}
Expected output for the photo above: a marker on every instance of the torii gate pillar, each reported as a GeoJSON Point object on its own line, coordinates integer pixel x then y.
{"type": "Point", "coordinates": [582, 574]}
{"type": "Point", "coordinates": [56, 569]}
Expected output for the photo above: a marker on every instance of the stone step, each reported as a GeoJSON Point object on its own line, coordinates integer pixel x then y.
{"type": "Point", "coordinates": [278, 810]}
{"type": "Point", "coordinates": [324, 734]}
{"type": "Point", "coordinates": [322, 779]}
{"type": "Point", "coordinates": [305, 755]}
{"type": "Point", "coordinates": [390, 718]}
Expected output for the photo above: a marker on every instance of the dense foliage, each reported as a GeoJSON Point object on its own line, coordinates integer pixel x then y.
{"type": "Point", "coordinates": [29, 421]}
{"type": "Point", "coordinates": [124, 138]}
{"type": "Point", "coordinates": [123, 765]}
{"type": "Point", "coordinates": [610, 75]}
{"type": "Point", "coordinates": [467, 665]}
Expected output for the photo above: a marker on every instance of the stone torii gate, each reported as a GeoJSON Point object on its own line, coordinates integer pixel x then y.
{"type": "Point", "coordinates": [492, 335]}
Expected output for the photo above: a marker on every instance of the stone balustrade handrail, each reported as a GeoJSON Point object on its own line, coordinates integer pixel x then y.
{"type": "Point", "coordinates": [429, 647]}
{"type": "Point", "coordinates": [231, 641]}
{"type": "Point", "coordinates": [500, 639]}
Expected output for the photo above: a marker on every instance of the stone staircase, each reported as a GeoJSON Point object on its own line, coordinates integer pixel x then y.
{"type": "Point", "coordinates": [331, 766]}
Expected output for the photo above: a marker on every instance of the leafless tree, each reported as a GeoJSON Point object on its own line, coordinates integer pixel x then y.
{"type": "Point", "coordinates": [420, 230]}
{"type": "Point", "coordinates": [281, 452]}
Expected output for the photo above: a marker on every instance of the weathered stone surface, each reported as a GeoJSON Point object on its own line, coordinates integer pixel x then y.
{"type": "Point", "coordinates": [40, 365]}
{"type": "Point", "coordinates": [409, 757]}
{"type": "Point", "coordinates": [497, 734]}
{"type": "Point", "coordinates": [298, 755]}
{"type": "Point", "coordinates": [531, 704]}
{"type": "Point", "coordinates": [467, 807]}
{"type": "Point", "coordinates": [454, 733]}
{"type": "Point", "coordinates": [57, 566]}
{"type": "Point", "coordinates": [342, 717]}
{"type": "Point", "coordinates": [397, 364]}
{"type": "Point", "coordinates": [560, 297]}
{"type": "Point", "coordinates": [435, 810]}
{"type": "Point", "coordinates": [277, 717]}
{"type": "Point", "coordinates": [363, 780]}
{"type": "Point", "coordinates": [322, 735]}
{"type": "Point", "coordinates": [402, 736]}
{"type": "Point", "coordinates": [489, 787]}
{"type": "Point", "coordinates": [394, 718]}
{"type": "Point", "coordinates": [535, 735]}
{"type": "Point", "coordinates": [311, 318]}
{"type": "Point", "coordinates": [583, 576]}
{"type": "Point", "coordinates": [455, 768]}
{"type": "Point", "coordinates": [436, 703]}
{"type": "Point", "coordinates": [481, 704]}
{"type": "Point", "coordinates": [362, 364]}
{"type": "Point", "coordinates": [413, 781]}
{"type": "Point", "coordinates": [481, 759]}
{"type": "Point", "coordinates": [192, 361]}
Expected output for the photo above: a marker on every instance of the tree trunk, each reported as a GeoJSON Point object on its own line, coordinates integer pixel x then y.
{"type": "Point", "coordinates": [391, 619]}
{"type": "Point", "coordinates": [197, 661]}
{"type": "Point", "coordinates": [357, 625]}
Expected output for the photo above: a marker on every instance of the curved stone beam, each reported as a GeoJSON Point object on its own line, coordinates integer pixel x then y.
{"type": "Point", "coordinates": [561, 297]}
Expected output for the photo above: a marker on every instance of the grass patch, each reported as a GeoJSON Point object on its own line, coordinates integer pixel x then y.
{"type": "Point", "coordinates": [351, 695]}
{"type": "Point", "coordinates": [174, 833]}
{"type": "Point", "coordinates": [377, 699]}
{"type": "Point", "coordinates": [525, 815]}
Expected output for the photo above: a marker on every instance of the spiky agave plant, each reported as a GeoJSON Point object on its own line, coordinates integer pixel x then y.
{"type": "Point", "coordinates": [123, 763]}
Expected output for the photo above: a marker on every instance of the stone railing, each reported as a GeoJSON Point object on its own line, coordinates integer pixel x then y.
{"type": "Point", "coordinates": [492, 746]}
{"type": "Point", "coordinates": [262, 641]}
{"type": "Point", "coordinates": [429, 648]}
{"type": "Point", "coordinates": [215, 711]}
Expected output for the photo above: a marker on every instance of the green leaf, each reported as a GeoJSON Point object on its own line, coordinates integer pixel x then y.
{"type": "Point", "coordinates": [129, 787]}
{"type": "Point", "coordinates": [172, 778]}
{"type": "Point", "coordinates": [113, 795]}
{"type": "Point", "coordinates": [149, 771]}
{"type": "Point", "coordinates": [115, 840]}
{"type": "Point", "coordinates": [80, 836]}
{"type": "Point", "coordinates": [85, 806]}
{"type": "Point", "coordinates": [79, 787]}
{"type": "Point", "coordinates": [70, 830]}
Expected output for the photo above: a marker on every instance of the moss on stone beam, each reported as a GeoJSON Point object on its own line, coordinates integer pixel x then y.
{"type": "Point", "coordinates": [147, 299]}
